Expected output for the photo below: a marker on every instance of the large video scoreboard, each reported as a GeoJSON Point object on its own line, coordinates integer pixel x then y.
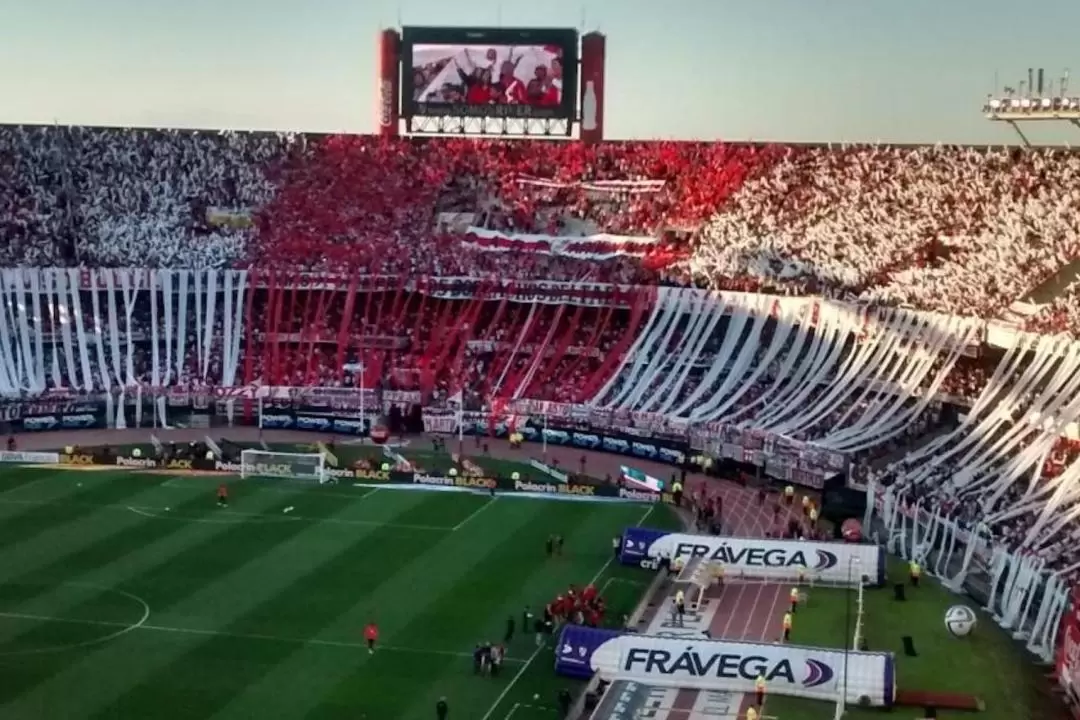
{"type": "Point", "coordinates": [489, 72]}
{"type": "Point", "coordinates": [488, 80]}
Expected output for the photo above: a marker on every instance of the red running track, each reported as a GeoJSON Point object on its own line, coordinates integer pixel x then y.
{"type": "Point", "coordinates": [747, 610]}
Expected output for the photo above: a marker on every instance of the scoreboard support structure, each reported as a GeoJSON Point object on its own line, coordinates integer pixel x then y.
{"type": "Point", "coordinates": [404, 107]}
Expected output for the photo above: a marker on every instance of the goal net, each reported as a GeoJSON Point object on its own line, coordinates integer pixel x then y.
{"type": "Point", "coordinates": [294, 466]}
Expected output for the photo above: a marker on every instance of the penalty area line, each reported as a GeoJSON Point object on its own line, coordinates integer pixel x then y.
{"type": "Point", "coordinates": [491, 501]}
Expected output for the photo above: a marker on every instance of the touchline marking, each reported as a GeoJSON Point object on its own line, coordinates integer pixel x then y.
{"type": "Point", "coordinates": [186, 481]}
{"type": "Point", "coordinates": [142, 625]}
{"type": "Point", "coordinates": [527, 706]}
{"type": "Point", "coordinates": [491, 501]}
{"type": "Point", "coordinates": [536, 653]}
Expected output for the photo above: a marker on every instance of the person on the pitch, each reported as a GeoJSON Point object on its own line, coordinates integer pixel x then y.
{"type": "Point", "coordinates": [222, 495]}
{"type": "Point", "coordinates": [914, 571]}
{"type": "Point", "coordinates": [550, 546]}
{"type": "Point", "coordinates": [680, 607]}
{"type": "Point", "coordinates": [787, 626]}
{"type": "Point", "coordinates": [793, 596]}
{"type": "Point", "coordinates": [616, 543]}
{"type": "Point", "coordinates": [371, 636]}
{"type": "Point", "coordinates": [508, 635]}
{"type": "Point", "coordinates": [759, 690]}
{"type": "Point", "coordinates": [442, 710]}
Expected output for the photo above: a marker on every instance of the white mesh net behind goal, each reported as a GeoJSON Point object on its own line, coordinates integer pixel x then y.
{"type": "Point", "coordinates": [293, 466]}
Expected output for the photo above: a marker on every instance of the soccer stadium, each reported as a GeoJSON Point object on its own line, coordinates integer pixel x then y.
{"type": "Point", "coordinates": [487, 416]}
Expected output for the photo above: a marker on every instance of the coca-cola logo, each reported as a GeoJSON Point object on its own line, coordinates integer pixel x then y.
{"type": "Point", "coordinates": [386, 103]}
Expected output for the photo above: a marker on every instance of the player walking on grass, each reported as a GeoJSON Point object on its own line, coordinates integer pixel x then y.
{"type": "Point", "coordinates": [371, 636]}
{"type": "Point", "coordinates": [223, 495]}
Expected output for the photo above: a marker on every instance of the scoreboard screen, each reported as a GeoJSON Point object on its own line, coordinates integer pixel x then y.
{"type": "Point", "coordinates": [489, 72]}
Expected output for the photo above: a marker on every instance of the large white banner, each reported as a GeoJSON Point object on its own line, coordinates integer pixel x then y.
{"type": "Point", "coordinates": [813, 673]}
{"type": "Point", "coordinates": [781, 560]}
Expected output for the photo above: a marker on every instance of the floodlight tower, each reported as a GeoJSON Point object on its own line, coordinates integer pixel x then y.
{"type": "Point", "coordinates": [1034, 102]}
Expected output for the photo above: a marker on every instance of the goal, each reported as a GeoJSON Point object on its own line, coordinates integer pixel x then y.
{"type": "Point", "coordinates": [701, 575]}
{"type": "Point", "coordinates": [294, 466]}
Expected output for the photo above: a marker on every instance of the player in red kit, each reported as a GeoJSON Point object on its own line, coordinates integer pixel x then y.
{"type": "Point", "coordinates": [222, 495]}
{"type": "Point", "coordinates": [371, 635]}
{"type": "Point", "coordinates": [588, 594]}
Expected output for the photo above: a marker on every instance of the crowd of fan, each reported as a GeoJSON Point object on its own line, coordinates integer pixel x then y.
{"type": "Point", "coordinates": [960, 230]}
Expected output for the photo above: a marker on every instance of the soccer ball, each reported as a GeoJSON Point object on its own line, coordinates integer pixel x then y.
{"type": "Point", "coordinates": [960, 620]}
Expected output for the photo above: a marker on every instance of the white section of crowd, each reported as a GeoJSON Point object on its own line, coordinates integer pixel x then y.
{"type": "Point", "coordinates": [859, 218]}
{"type": "Point", "coordinates": [133, 194]}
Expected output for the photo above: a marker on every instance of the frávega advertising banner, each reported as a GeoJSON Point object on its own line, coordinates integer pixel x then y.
{"type": "Point", "coordinates": [837, 562]}
{"type": "Point", "coordinates": [805, 672]}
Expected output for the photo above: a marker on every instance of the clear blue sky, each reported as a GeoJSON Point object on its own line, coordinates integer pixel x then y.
{"type": "Point", "coordinates": [799, 70]}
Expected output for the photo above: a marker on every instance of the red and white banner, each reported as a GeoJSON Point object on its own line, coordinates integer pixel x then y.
{"type": "Point", "coordinates": [1068, 660]}
{"type": "Point", "coordinates": [591, 247]}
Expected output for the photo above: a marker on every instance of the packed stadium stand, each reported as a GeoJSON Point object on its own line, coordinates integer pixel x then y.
{"type": "Point", "coordinates": [622, 276]}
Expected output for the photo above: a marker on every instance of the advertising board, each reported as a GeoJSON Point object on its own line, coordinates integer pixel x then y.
{"type": "Point", "coordinates": [838, 562]}
{"type": "Point", "coordinates": [805, 672]}
{"type": "Point", "coordinates": [523, 73]}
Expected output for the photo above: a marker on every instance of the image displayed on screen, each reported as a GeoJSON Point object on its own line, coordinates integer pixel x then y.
{"type": "Point", "coordinates": [479, 75]}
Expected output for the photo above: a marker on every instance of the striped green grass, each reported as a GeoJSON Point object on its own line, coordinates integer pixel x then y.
{"type": "Point", "coordinates": [988, 664]}
{"type": "Point", "coordinates": [129, 595]}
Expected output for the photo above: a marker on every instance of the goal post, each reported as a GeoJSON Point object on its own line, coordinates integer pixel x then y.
{"type": "Point", "coordinates": [701, 575]}
{"type": "Point", "coordinates": [292, 466]}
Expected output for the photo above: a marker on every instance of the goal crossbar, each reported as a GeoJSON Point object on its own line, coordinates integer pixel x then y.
{"type": "Point", "coordinates": [293, 466]}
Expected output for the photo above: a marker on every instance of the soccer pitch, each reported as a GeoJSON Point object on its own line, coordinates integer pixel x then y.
{"type": "Point", "coordinates": [988, 664]}
{"type": "Point", "coordinates": [132, 595]}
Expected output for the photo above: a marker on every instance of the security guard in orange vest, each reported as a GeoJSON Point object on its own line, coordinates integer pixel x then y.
{"type": "Point", "coordinates": [793, 596]}
{"type": "Point", "coordinates": [787, 626]}
{"type": "Point", "coordinates": [759, 690]}
{"type": "Point", "coordinates": [914, 570]}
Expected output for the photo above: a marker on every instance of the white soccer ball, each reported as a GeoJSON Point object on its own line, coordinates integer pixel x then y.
{"type": "Point", "coordinates": [453, 472]}
{"type": "Point", "coordinates": [536, 696]}
{"type": "Point", "coordinates": [137, 452]}
{"type": "Point", "coordinates": [960, 620]}
{"type": "Point", "coordinates": [515, 476]}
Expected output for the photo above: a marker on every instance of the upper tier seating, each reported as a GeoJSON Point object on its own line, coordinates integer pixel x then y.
{"type": "Point", "coordinates": [961, 230]}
